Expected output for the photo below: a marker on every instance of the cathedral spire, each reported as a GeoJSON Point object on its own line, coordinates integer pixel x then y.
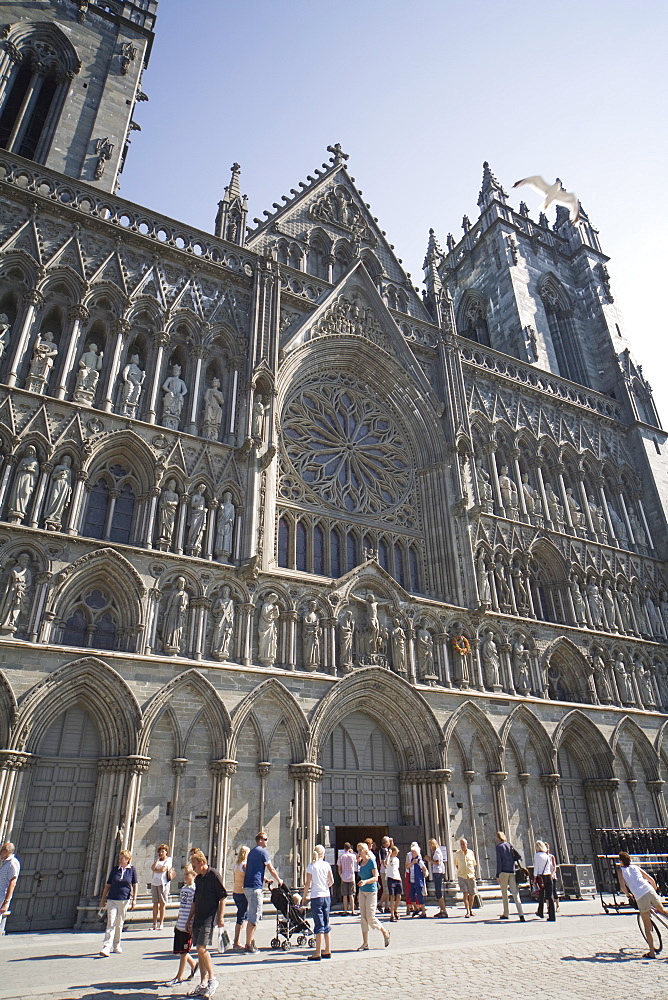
{"type": "Point", "coordinates": [491, 189]}
{"type": "Point", "coordinates": [432, 279]}
{"type": "Point", "coordinates": [232, 210]}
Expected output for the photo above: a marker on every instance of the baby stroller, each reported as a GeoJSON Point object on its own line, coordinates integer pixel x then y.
{"type": "Point", "coordinates": [289, 920]}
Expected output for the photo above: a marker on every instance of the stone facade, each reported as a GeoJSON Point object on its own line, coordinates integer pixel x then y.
{"type": "Point", "coordinates": [285, 544]}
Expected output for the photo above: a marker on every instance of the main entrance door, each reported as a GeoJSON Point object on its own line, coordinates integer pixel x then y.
{"type": "Point", "coordinates": [575, 810]}
{"type": "Point", "coordinates": [53, 837]}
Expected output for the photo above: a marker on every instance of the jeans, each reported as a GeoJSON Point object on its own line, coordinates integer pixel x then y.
{"type": "Point", "coordinates": [116, 909]}
{"type": "Point", "coordinates": [242, 905]}
{"type": "Point", "coordinates": [547, 893]}
{"type": "Point", "coordinates": [438, 885]}
{"type": "Point", "coordinates": [507, 881]}
{"type": "Point", "coordinates": [320, 914]}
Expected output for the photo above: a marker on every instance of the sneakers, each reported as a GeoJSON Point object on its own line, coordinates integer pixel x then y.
{"type": "Point", "coordinates": [251, 948]}
{"type": "Point", "coordinates": [210, 988]}
{"type": "Point", "coordinates": [175, 981]}
{"type": "Point", "coordinates": [117, 950]}
{"type": "Point", "coordinates": [104, 952]}
{"type": "Point", "coordinates": [504, 917]}
{"type": "Point", "coordinates": [198, 991]}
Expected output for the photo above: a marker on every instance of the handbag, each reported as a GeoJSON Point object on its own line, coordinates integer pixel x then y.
{"type": "Point", "coordinates": [521, 875]}
{"type": "Point", "coordinates": [537, 886]}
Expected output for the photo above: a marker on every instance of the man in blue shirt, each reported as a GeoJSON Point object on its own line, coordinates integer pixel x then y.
{"type": "Point", "coordinates": [257, 861]}
{"type": "Point", "coordinates": [506, 856]}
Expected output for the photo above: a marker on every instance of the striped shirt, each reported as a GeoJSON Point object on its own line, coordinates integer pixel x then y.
{"type": "Point", "coordinates": [347, 863]}
{"type": "Point", "coordinates": [185, 902]}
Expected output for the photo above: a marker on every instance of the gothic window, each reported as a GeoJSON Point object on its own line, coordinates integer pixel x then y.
{"type": "Point", "coordinates": [473, 321]}
{"type": "Point", "coordinates": [283, 543]}
{"type": "Point", "coordinates": [316, 262]}
{"type": "Point", "coordinates": [301, 546]}
{"type": "Point", "coordinates": [351, 551]}
{"type": "Point", "coordinates": [414, 569]}
{"type": "Point", "coordinates": [335, 553]}
{"type": "Point", "coordinates": [318, 550]}
{"type": "Point", "coordinates": [111, 507]}
{"type": "Point", "coordinates": [384, 554]}
{"type": "Point", "coordinates": [399, 564]}
{"type": "Point", "coordinates": [563, 334]}
{"type": "Point", "coordinates": [96, 512]}
{"type": "Point", "coordinates": [121, 525]}
{"type": "Point", "coordinates": [92, 622]}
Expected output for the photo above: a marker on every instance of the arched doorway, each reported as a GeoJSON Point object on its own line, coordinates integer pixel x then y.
{"type": "Point", "coordinates": [575, 809]}
{"type": "Point", "coordinates": [53, 836]}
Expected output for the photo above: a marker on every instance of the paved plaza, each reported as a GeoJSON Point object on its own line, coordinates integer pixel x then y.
{"type": "Point", "coordinates": [584, 955]}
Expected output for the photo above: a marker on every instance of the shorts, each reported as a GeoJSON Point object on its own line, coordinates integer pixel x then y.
{"type": "Point", "coordinates": [255, 901]}
{"type": "Point", "coordinates": [438, 885]}
{"type": "Point", "coordinates": [203, 932]}
{"type": "Point", "coordinates": [394, 886]}
{"type": "Point", "coordinates": [467, 885]}
{"type": "Point", "coordinates": [347, 888]}
{"type": "Point", "coordinates": [160, 893]}
{"type": "Point", "coordinates": [242, 905]}
{"type": "Point", "coordinates": [417, 893]}
{"type": "Point", "coordinates": [320, 907]}
{"type": "Point", "coordinates": [647, 901]}
{"type": "Point", "coordinates": [182, 942]}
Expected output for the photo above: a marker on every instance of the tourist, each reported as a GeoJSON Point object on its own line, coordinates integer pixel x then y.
{"type": "Point", "coordinates": [639, 885]}
{"type": "Point", "coordinates": [393, 876]}
{"type": "Point", "coordinates": [418, 872]}
{"type": "Point", "coordinates": [437, 861]}
{"type": "Point", "coordinates": [542, 874]}
{"type": "Point", "coordinates": [182, 938]}
{"type": "Point", "coordinates": [383, 851]}
{"type": "Point", "coordinates": [9, 873]}
{"type": "Point", "coordinates": [347, 865]}
{"type": "Point", "coordinates": [319, 880]}
{"type": "Point", "coordinates": [206, 912]}
{"type": "Point", "coordinates": [466, 864]}
{"type": "Point", "coordinates": [554, 868]}
{"type": "Point", "coordinates": [257, 861]}
{"type": "Point", "coordinates": [118, 895]}
{"type": "Point", "coordinates": [506, 856]}
{"type": "Point", "coordinates": [368, 887]}
{"type": "Point", "coordinates": [160, 881]}
{"type": "Point", "coordinates": [239, 896]}
{"type": "Point", "coordinates": [410, 905]}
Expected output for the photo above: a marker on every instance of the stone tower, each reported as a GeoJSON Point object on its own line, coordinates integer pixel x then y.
{"type": "Point", "coordinates": [70, 77]}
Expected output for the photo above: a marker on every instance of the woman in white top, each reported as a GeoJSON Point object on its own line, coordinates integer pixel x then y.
{"type": "Point", "coordinates": [160, 885]}
{"type": "Point", "coordinates": [542, 869]}
{"type": "Point", "coordinates": [438, 871]}
{"type": "Point", "coordinates": [319, 880]}
{"type": "Point", "coordinates": [636, 882]}
{"type": "Point", "coordinates": [393, 878]}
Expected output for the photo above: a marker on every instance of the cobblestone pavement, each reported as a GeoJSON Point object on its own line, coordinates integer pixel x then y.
{"type": "Point", "coordinates": [584, 955]}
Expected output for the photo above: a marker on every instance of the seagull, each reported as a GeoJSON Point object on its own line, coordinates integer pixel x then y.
{"type": "Point", "coordinates": [553, 192]}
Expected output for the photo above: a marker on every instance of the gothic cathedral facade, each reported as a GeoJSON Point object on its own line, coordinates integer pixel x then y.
{"type": "Point", "coordinates": [286, 543]}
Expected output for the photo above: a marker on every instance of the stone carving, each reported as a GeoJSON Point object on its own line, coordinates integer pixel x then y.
{"type": "Point", "coordinates": [555, 509]}
{"type": "Point", "coordinates": [311, 635]}
{"type": "Point", "coordinates": [577, 517]}
{"type": "Point", "coordinates": [223, 629]}
{"type": "Point", "coordinates": [609, 609]}
{"type": "Point", "coordinates": [398, 643]}
{"type": "Point", "coordinates": [198, 514]}
{"type": "Point", "coordinates": [59, 495]}
{"type": "Point", "coordinates": [176, 613]}
{"type": "Point", "coordinates": [260, 410]}
{"type": "Point", "coordinates": [346, 630]}
{"type": "Point", "coordinates": [15, 593]}
{"type": "Point", "coordinates": [662, 681]}
{"type": "Point", "coordinates": [532, 500]}
{"type": "Point", "coordinates": [424, 645]}
{"type": "Point", "coordinates": [351, 318]}
{"type": "Point", "coordinates": [595, 604]}
{"type": "Point", "coordinates": [638, 611]}
{"type": "Point", "coordinates": [646, 687]}
{"type": "Point", "coordinates": [601, 682]}
{"type": "Point", "coordinates": [519, 579]}
{"type": "Point", "coordinates": [44, 352]}
{"type": "Point", "coordinates": [508, 491]}
{"type": "Point", "coordinates": [132, 379]}
{"type": "Point", "coordinates": [213, 411]}
{"type": "Point", "coordinates": [625, 613]}
{"type": "Point", "coordinates": [267, 631]}
{"type": "Point", "coordinates": [372, 628]}
{"type": "Point", "coordinates": [484, 487]}
{"type": "Point", "coordinates": [90, 365]}
{"type": "Point", "coordinates": [491, 662]}
{"type": "Point", "coordinates": [25, 481]}
{"type": "Point", "coordinates": [5, 331]}
{"type": "Point", "coordinates": [175, 390]}
{"type": "Point", "coordinates": [503, 594]}
{"type": "Point", "coordinates": [225, 527]}
{"type": "Point", "coordinates": [167, 510]}
{"type": "Point", "coordinates": [624, 685]}
{"type": "Point", "coordinates": [654, 617]}
{"type": "Point", "coordinates": [663, 602]}
{"type": "Point", "coordinates": [519, 658]}
{"type": "Point", "coordinates": [337, 206]}
{"type": "Point", "coordinates": [482, 576]}
{"type": "Point", "coordinates": [597, 517]}
{"type": "Point", "coordinates": [638, 531]}
{"type": "Point", "coordinates": [618, 526]}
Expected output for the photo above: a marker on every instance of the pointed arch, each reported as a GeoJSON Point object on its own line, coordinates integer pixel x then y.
{"type": "Point", "coordinates": [8, 710]}
{"type": "Point", "coordinates": [127, 447]}
{"type": "Point", "coordinates": [214, 710]}
{"type": "Point", "coordinates": [295, 720]}
{"type": "Point", "coordinates": [643, 749]}
{"type": "Point", "coordinates": [587, 744]}
{"type": "Point", "coordinates": [98, 689]}
{"type": "Point", "coordinates": [481, 727]}
{"type": "Point", "coordinates": [571, 677]}
{"type": "Point", "coordinates": [542, 744]}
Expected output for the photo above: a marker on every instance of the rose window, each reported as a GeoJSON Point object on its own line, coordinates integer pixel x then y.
{"type": "Point", "coordinates": [346, 448]}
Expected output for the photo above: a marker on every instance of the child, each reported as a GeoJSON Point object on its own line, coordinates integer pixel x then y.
{"type": "Point", "coordinates": [182, 939]}
{"type": "Point", "coordinates": [393, 876]}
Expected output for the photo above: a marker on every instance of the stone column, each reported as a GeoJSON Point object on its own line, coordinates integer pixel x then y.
{"type": "Point", "coordinates": [32, 300]}
{"type": "Point", "coordinates": [477, 680]}
{"type": "Point", "coordinates": [550, 782]}
{"type": "Point", "coordinates": [244, 638]}
{"type": "Point", "coordinates": [161, 340]}
{"type": "Point", "coordinates": [12, 765]}
{"type": "Point", "coordinates": [178, 765]}
{"type": "Point", "coordinates": [543, 495]}
{"type": "Point", "coordinates": [497, 781]}
{"type": "Point", "coordinates": [153, 610]}
{"type": "Point", "coordinates": [288, 627]}
{"type": "Point", "coordinates": [491, 451]}
{"type": "Point", "coordinates": [524, 514]}
{"type": "Point", "coordinates": [469, 778]}
{"type": "Point", "coordinates": [36, 506]}
{"type": "Point", "coordinates": [441, 644]}
{"type": "Point", "coordinates": [10, 462]}
{"type": "Point", "coordinates": [74, 515]}
{"type": "Point", "coordinates": [507, 670]}
{"type": "Point", "coordinates": [199, 352]}
{"type": "Point", "coordinates": [631, 784]}
{"type": "Point", "coordinates": [524, 781]}
{"type": "Point", "coordinates": [604, 795]}
{"type": "Point", "coordinates": [625, 515]}
{"type": "Point", "coordinates": [222, 771]}
{"type": "Point", "coordinates": [181, 525]}
{"type": "Point", "coordinates": [42, 581]}
{"type": "Point", "coordinates": [559, 472]}
{"type": "Point", "coordinates": [584, 501]}
{"type": "Point", "coordinates": [210, 528]}
{"type": "Point", "coordinates": [329, 644]}
{"type": "Point", "coordinates": [154, 494]}
{"type": "Point", "coordinates": [263, 769]}
{"type": "Point", "coordinates": [656, 789]}
{"type": "Point", "coordinates": [233, 366]}
{"type": "Point", "coordinates": [306, 777]}
{"type": "Point", "coordinates": [78, 314]}
{"type": "Point", "coordinates": [606, 512]}
{"type": "Point", "coordinates": [123, 327]}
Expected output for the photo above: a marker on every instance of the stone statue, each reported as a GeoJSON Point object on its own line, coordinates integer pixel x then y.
{"type": "Point", "coordinates": [646, 687]}
{"type": "Point", "coordinates": [654, 617]}
{"type": "Point", "coordinates": [167, 510]}
{"type": "Point", "coordinates": [618, 526]}
{"type": "Point", "coordinates": [638, 530]}
{"type": "Point", "coordinates": [491, 662]}
{"type": "Point", "coordinates": [372, 623]}
{"type": "Point", "coordinates": [346, 628]}
{"type": "Point", "coordinates": [597, 516]}
{"type": "Point", "coordinates": [16, 590]}
{"type": "Point", "coordinates": [197, 520]}
{"type": "Point", "coordinates": [175, 390]}
{"type": "Point", "coordinates": [508, 490]}
{"type": "Point", "coordinates": [90, 364]}
{"type": "Point", "coordinates": [519, 658]}
{"type": "Point", "coordinates": [555, 509]}
{"type": "Point", "coordinates": [610, 611]}
{"type": "Point", "coordinates": [59, 495]}
{"type": "Point", "coordinates": [44, 352]}
{"type": "Point", "coordinates": [663, 602]}
{"type": "Point", "coordinates": [578, 602]}
{"type": "Point", "coordinates": [398, 643]}
{"type": "Point", "coordinates": [311, 633]}
{"type": "Point", "coordinates": [661, 669]}
{"type": "Point", "coordinates": [624, 605]}
{"type": "Point", "coordinates": [25, 481]}
{"type": "Point", "coordinates": [5, 330]}
{"type": "Point", "coordinates": [225, 526]}
{"type": "Point", "coordinates": [213, 410]}
{"type": "Point", "coordinates": [176, 613]}
{"type": "Point", "coordinates": [595, 603]}
{"type": "Point", "coordinates": [258, 415]}
{"type": "Point", "coordinates": [482, 576]}
{"type": "Point", "coordinates": [484, 485]}
{"type": "Point", "coordinates": [577, 517]}
{"type": "Point", "coordinates": [639, 611]}
{"type": "Point", "coordinates": [132, 378]}
{"type": "Point", "coordinates": [600, 677]}
{"type": "Point", "coordinates": [425, 653]}
{"type": "Point", "coordinates": [503, 594]}
{"type": "Point", "coordinates": [623, 681]}
{"type": "Point", "coordinates": [223, 616]}
{"type": "Point", "coordinates": [532, 500]}
{"type": "Point", "coordinates": [267, 631]}
{"type": "Point", "coordinates": [518, 577]}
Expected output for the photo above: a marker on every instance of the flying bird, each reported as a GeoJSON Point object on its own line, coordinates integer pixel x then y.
{"type": "Point", "coordinates": [553, 192]}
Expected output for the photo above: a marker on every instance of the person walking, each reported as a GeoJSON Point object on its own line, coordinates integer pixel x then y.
{"type": "Point", "coordinates": [542, 873]}
{"type": "Point", "coordinates": [10, 869]}
{"type": "Point", "coordinates": [239, 896]}
{"type": "Point", "coordinates": [182, 939]}
{"type": "Point", "coordinates": [347, 863]}
{"type": "Point", "coordinates": [319, 880]}
{"type": "Point", "coordinates": [257, 861]}
{"type": "Point", "coordinates": [437, 862]}
{"type": "Point", "coordinates": [506, 856]}
{"type": "Point", "coordinates": [554, 868]}
{"type": "Point", "coordinates": [160, 885]}
{"type": "Point", "coordinates": [637, 884]}
{"type": "Point", "coordinates": [418, 872]}
{"type": "Point", "coordinates": [393, 876]}
{"type": "Point", "coordinates": [410, 905]}
{"type": "Point", "coordinates": [118, 895]}
{"type": "Point", "coordinates": [368, 889]}
{"type": "Point", "coordinates": [206, 912]}
{"type": "Point", "coordinates": [383, 852]}
{"type": "Point", "coordinates": [466, 864]}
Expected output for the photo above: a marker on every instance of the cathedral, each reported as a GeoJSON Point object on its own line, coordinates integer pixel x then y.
{"type": "Point", "coordinates": [286, 542]}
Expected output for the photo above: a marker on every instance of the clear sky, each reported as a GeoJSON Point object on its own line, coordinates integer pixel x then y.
{"type": "Point", "coordinates": [419, 94]}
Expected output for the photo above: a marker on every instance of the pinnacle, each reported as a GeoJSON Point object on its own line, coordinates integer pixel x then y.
{"type": "Point", "coordinates": [234, 190]}
{"type": "Point", "coordinates": [434, 252]}
{"type": "Point", "coordinates": [490, 186]}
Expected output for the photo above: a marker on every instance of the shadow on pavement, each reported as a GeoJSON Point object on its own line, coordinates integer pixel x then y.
{"type": "Point", "coordinates": [46, 958]}
{"type": "Point", "coordinates": [605, 956]}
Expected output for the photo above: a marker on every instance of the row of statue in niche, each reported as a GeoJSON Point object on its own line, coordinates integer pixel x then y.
{"type": "Point", "coordinates": [577, 521]}
{"type": "Point", "coordinates": [131, 383]}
